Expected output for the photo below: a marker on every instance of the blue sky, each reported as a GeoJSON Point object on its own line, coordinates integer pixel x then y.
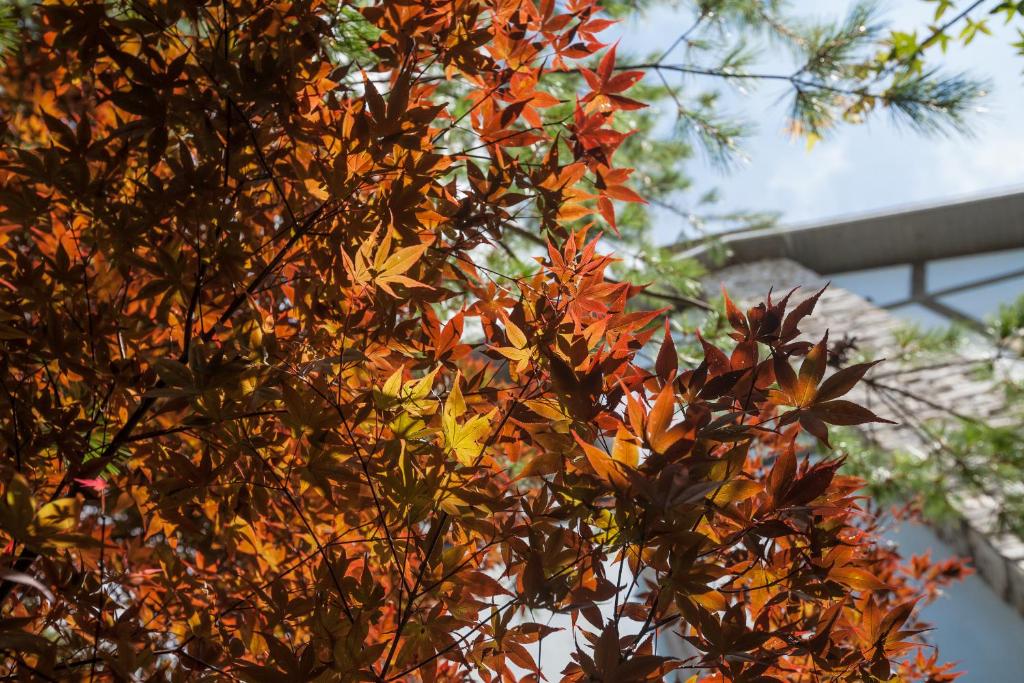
{"type": "Point", "coordinates": [866, 168]}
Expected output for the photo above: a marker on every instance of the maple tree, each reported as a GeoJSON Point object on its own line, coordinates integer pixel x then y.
{"type": "Point", "coordinates": [266, 415]}
{"type": "Point", "coordinates": [714, 69]}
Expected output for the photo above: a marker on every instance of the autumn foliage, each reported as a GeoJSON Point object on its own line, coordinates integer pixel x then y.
{"type": "Point", "coordinates": [266, 417]}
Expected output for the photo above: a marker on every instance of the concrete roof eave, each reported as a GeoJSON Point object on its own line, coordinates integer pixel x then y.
{"type": "Point", "coordinates": [874, 241]}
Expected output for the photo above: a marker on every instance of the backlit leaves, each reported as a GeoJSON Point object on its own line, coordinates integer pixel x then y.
{"type": "Point", "coordinates": [463, 437]}
{"type": "Point", "coordinates": [267, 415]}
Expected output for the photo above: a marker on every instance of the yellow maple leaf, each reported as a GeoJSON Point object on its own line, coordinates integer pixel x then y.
{"type": "Point", "coordinates": [463, 439]}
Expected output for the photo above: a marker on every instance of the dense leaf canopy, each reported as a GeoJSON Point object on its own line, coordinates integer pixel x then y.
{"type": "Point", "coordinates": [266, 416]}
